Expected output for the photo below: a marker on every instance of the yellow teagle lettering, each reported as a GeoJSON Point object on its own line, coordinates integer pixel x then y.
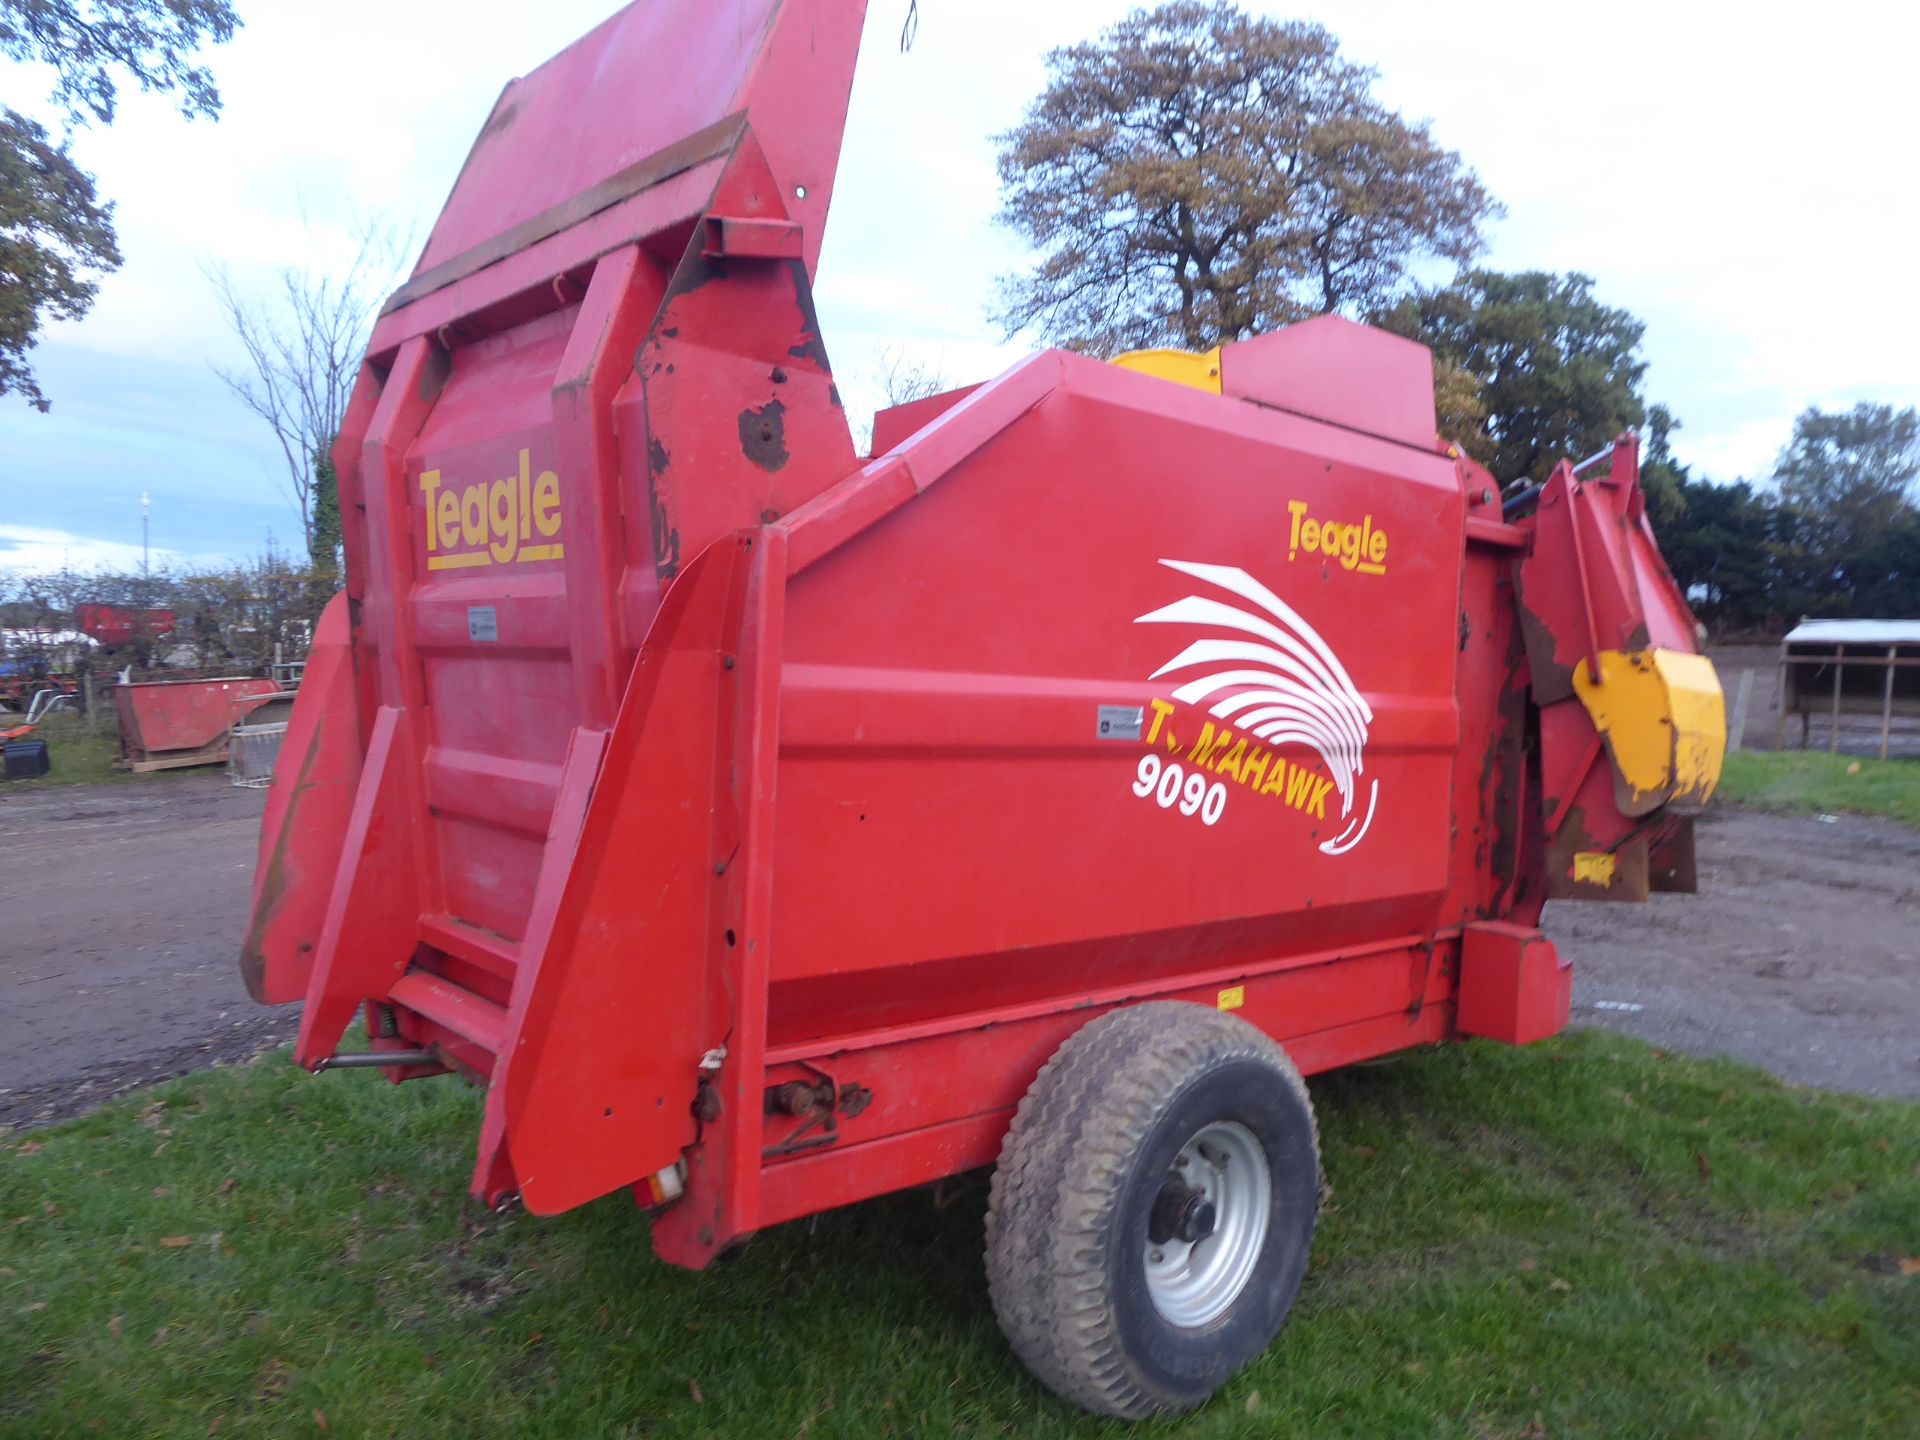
{"type": "Point", "coordinates": [1230, 767]}
{"type": "Point", "coordinates": [1254, 767]}
{"type": "Point", "coordinates": [546, 504]}
{"type": "Point", "coordinates": [1208, 745]}
{"type": "Point", "coordinates": [1299, 787]}
{"type": "Point", "coordinates": [1355, 546]}
{"type": "Point", "coordinates": [473, 515]}
{"type": "Point", "coordinates": [493, 522]}
{"type": "Point", "coordinates": [446, 520]}
{"type": "Point", "coordinates": [1233, 757]}
{"type": "Point", "coordinates": [429, 483]}
{"type": "Point", "coordinates": [526, 496]}
{"type": "Point", "coordinates": [1161, 710]}
{"type": "Point", "coordinates": [503, 518]}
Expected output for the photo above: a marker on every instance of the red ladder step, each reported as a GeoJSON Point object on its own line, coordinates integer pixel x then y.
{"type": "Point", "coordinates": [483, 949]}
{"type": "Point", "coordinates": [441, 1002]}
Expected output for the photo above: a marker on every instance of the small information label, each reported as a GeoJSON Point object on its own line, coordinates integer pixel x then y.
{"type": "Point", "coordinates": [482, 623]}
{"type": "Point", "coordinates": [1121, 722]}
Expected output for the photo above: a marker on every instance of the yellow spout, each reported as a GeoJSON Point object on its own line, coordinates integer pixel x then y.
{"type": "Point", "coordinates": [1664, 721]}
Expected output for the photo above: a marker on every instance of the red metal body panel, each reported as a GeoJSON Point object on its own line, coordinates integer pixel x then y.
{"type": "Point", "coordinates": [306, 813]}
{"type": "Point", "coordinates": [908, 723]}
{"type": "Point", "coordinates": [1514, 986]}
{"type": "Point", "coordinates": [1326, 369]}
{"type": "Point", "coordinates": [169, 719]}
{"type": "Point", "coordinates": [667, 759]}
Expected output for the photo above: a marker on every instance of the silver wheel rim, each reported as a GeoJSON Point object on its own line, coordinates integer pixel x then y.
{"type": "Point", "coordinates": [1192, 1283]}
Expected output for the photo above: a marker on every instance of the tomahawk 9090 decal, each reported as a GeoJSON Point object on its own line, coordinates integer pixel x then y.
{"type": "Point", "coordinates": [1277, 690]}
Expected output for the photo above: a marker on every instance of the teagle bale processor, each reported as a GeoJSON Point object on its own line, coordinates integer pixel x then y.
{"type": "Point", "coordinates": [768, 827]}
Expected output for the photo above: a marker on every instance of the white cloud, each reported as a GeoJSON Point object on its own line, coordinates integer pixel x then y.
{"type": "Point", "coordinates": [1728, 180]}
{"type": "Point", "coordinates": [25, 550]}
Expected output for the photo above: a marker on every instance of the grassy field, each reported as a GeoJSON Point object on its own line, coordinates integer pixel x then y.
{"type": "Point", "coordinates": [1585, 1238]}
{"type": "Point", "coordinates": [1823, 784]}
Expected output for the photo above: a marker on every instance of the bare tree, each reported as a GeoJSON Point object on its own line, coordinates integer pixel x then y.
{"type": "Point", "coordinates": [303, 350]}
{"type": "Point", "coordinates": [900, 381]}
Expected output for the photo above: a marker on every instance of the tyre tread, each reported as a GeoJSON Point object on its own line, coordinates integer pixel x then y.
{"type": "Point", "coordinates": [1056, 1192]}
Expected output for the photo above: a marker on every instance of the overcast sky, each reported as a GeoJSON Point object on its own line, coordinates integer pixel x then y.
{"type": "Point", "coordinates": [1741, 182]}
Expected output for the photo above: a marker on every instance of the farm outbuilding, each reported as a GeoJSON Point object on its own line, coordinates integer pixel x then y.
{"type": "Point", "coordinates": [1849, 667]}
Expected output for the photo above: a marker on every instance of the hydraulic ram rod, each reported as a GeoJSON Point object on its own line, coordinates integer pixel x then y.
{"type": "Point", "coordinates": [368, 1059]}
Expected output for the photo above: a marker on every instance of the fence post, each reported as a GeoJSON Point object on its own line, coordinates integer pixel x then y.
{"type": "Point", "coordinates": [1833, 729]}
{"type": "Point", "coordinates": [1780, 703]}
{"type": "Point", "coordinates": [91, 699]}
{"type": "Point", "coordinates": [1886, 703]}
{"type": "Point", "coordinates": [1739, 729]}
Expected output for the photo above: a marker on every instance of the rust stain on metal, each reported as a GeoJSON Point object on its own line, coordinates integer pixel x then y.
{"type": "Point", "coordinates": [811, 346]}
{"type": "Point", "coordinates": [763, 435]}
{"type": "Point", "coordinates": [1504, 772]}
{"type": "Point", "coordinates": [666, 539]}
{"type": "Point", "coordinates": [799, 1098]}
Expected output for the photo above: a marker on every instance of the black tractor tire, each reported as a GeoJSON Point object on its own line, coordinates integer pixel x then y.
{"type": "Point", "coordinates": [1086, 1163]}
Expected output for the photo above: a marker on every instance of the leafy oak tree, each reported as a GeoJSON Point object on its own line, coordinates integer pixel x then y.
{"type": "Point", "coordinates": [1846, 483]}
{"type": "Point", "coordinates": [1532, 367]}
{"type": "Point", "coordinates": [1195, 174]}
{"type": "Point", "coordinates": [1851, 471]}
{"type": "Point", "coordinates": [56, 234]}
{"type": "Point", "coordinates": [1663, 478]}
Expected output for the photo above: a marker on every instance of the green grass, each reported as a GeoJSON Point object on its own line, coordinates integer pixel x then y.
{"type": "Point", "coordinates": [82, 758]}
{"type": "Point", "coordinates": [1823, 784]}
{"type": "Point", "coordinates": [1585, 1238]}
{"type": "Point", "coordinates": [79, 758]}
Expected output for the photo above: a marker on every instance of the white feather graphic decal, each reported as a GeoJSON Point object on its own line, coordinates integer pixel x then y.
{"type": "Point", "coordinates": [1285, 685]}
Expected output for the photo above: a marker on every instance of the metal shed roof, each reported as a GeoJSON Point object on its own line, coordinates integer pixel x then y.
{"type": "Point", "coordinates": [1855, 632]}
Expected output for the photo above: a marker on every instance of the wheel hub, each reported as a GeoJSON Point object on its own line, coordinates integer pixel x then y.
{"type": "Point", "coordinates": [1181, 1212]}
{"type": "Point", "coordinates": [1208, 1225]}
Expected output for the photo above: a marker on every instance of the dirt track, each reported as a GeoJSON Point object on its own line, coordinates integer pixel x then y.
{"type": "Point", "coordinates": [121, 909]}
{"type": "Point", "coordinates": [1800, 953]}
{"type": "Point", "coordinates": [120, 915]}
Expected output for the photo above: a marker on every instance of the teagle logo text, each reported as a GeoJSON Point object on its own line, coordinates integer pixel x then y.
{"type": "Point", "coordinates": [1357, 547]}
{"type": "Point", "coordinates": [490, 523]}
